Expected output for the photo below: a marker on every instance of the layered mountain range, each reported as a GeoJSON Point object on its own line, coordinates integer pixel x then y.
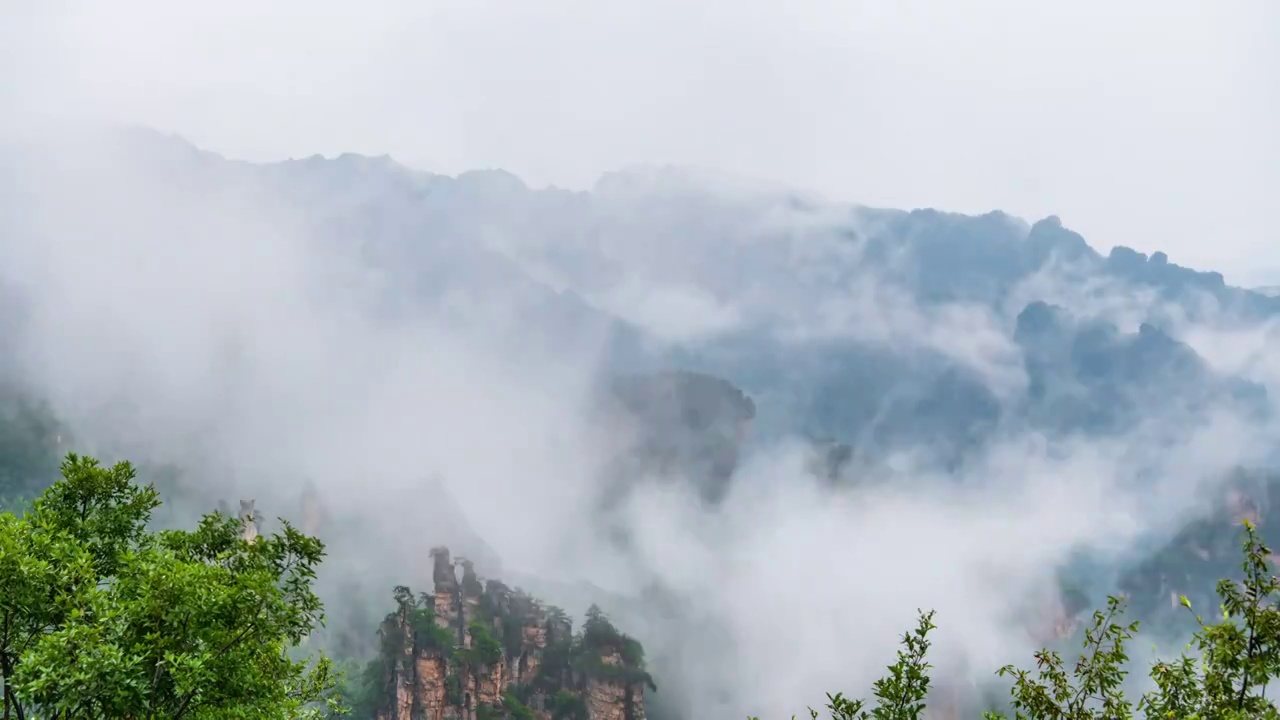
{"type": "Point", "coordinates": [839, 320]}
{"type": "Point", "coordinates": [718, 321]}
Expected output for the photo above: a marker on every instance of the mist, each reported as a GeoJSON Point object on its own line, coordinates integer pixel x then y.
{"type": "Point", "coordinates": [1042, 110]}
{"type": "Point", "coordinates": [424, 349]}
{"type": "Point", "coordinates": [182, 309]}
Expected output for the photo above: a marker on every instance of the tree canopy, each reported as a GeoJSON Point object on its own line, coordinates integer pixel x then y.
{"type": "Point", "coordinates": [101, 618]}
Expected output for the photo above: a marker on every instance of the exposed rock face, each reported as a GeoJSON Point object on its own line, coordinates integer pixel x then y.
{"type": "Point", "coordinates": [474, 650]}
{"type": "Point", "coordinates": [610, 700]}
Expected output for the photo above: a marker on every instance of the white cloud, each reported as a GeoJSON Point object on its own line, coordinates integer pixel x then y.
{"type": "Point", "coordinates": [215, 314]}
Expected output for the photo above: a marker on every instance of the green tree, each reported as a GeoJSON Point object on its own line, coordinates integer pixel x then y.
{"type": "Point", "coordinates": [1223, 675]}
{"type": "Point", "coordinates": [901, 693]}
{"type": "Point", "coordinates": [101, 618]}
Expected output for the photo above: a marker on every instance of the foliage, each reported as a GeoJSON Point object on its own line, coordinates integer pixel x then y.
{"type": "Point", "coordinates": [1224, 677]}
{"type": "Point", "coordinates": [1194, 559]}
{"type": "Point", "coordinates": [453, 689]}
{"type": "Point", "coordinates": [601, 639]}
{"type": "Point", "coordinates": [485, 650]}
{"type": "Point", "coordinates": [514, 708]}
{"type": "Point", "coordinates": [359, 689]}
{"type": "Point", "coordinates": [593, 666]}
{"type": "Point", "coordinates": [100, 618]}
{"type": "Point", "coordinates": [1098, 675]}
{"type": "Point", "coordinates": [512, 634]}
{"type": "Point", "coordinates": [567, 660]}
{"type": "Point", "coordinates": [598, 633]}
{"type": "Point", "coordinates": [902, 692]}
{"type": "Point", "coordinates": [427, 632]}
{"type": "Point", "coordinates": [566, 705]}
{"type": "Point", "coordinates": [557, 615]}
{"type": "Point", "coordinates": [632, 652]}
{"type": "Point", "coordinates": [557, 663]}
{"type": "Point", "coordinates": [509, 709]}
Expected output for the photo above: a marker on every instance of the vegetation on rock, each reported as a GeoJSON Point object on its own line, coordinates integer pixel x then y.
{"type": "Point", "coordinates": [510, 658]}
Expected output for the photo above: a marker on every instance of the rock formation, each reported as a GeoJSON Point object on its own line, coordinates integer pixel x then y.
{"type": "Point", "coordinates": [474, 650]}
{"type": "Point", "coordinates": [249, 519]}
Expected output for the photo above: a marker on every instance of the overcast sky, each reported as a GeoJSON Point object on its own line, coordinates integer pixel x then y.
{"type": "Point", "coordinates": [1146, 123]}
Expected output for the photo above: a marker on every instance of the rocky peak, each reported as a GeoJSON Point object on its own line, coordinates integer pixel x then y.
{"type": "Point", "coordinates": [442, 573]}
{"type": "Point", "coordinates": [1039, 319]}
{"type": "Point", "coordinates": [1048, 237]}
{"type": "Point", "coordinates": [1157, 270]}
{"type": "Point", "coordinates": [479, 650]}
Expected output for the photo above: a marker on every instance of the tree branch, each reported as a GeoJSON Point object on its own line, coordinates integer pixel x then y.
{"type": "Point", "coordinates": [182, 708]}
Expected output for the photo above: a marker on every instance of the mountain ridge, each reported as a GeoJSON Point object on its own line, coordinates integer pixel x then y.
{"type": "Point", "coordinates": [903, 346]}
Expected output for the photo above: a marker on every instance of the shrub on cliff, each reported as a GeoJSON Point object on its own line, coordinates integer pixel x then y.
{"type": "Point", "coordinates": [485, 650]}
{"type": "Point", "coordinates": [1224, 678]}
{"type": "Point", "coordinates": [600, 639]}
{"type": "Point", "coordinates": [101, 618]}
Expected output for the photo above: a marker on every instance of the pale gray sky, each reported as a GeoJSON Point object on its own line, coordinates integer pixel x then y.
{"type": "Point", "coordinates": [1142, 122]}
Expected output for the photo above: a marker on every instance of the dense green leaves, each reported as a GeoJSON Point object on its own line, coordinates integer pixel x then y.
{"type": "Point", "coordinates": [102, 619]}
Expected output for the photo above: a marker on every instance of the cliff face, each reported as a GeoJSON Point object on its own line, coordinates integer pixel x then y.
{"type": "Point", "coordinates": [474, 650]}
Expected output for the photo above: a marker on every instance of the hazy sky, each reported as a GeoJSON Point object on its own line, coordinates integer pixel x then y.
{"type": "Point", "coordinates": [1147, 123]}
